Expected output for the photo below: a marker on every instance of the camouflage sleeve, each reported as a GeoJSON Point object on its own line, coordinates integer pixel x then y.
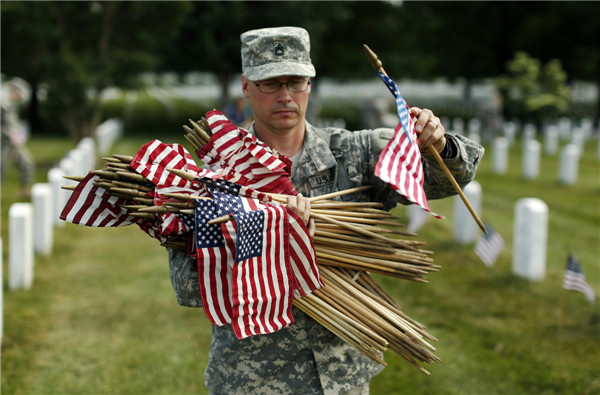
{"type": "Point", "coordinates": [183, 271]}
{"type": "Point", "coordinates": [462, 165]}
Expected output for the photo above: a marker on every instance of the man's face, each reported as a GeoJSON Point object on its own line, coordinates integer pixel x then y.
{"type": "Point", "coordinates": [278, 111]}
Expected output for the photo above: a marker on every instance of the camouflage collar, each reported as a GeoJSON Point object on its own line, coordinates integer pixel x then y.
{"type": "Point", "coordinates": [316, 156]}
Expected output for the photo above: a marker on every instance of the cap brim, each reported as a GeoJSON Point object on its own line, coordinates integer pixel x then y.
{"type": "Point", "coordinates": [271, 70]}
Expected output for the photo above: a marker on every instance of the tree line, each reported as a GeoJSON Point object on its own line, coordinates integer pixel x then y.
{"type": "Point", "coordinates": [75, 50]}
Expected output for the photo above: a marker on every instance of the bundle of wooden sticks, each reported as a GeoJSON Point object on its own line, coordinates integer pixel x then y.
{"type": "Point", "coordinates": [352, 240]}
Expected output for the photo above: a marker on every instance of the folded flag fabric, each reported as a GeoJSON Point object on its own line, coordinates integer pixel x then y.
{"type": "Point", "coordinates": [399, 163]}
{"type": "Point", "coordinates": [240, 157]}
{"type": "Point", "coordinates": [91, 205]}
{"type": "Point", "coordinates": [488, 247]}
{"type": "Point", "coordinates": [574, 280]}
{"type": "Point", "coordinates": [303, 258]}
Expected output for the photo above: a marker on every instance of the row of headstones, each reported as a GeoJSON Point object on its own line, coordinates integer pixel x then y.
{"type": "Point", "coordinates": [31, 224]}
{"type": "Point", "coordinates": [566, 128]}
{"type": "Point", "coordinates": [553, 135]}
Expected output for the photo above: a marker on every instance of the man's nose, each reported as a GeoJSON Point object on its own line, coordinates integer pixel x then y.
{"type": "Point", "coordinates": [284, 94]}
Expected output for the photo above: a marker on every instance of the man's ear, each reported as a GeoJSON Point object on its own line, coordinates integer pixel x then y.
{"type": "Point", "coordinates": [245, 83]}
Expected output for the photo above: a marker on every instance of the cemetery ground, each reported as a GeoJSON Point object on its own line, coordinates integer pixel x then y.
{"type": "Point", "coordinates": [101, 316]}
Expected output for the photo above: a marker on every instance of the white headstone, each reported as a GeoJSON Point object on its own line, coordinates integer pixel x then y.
{"type": "Point", "coordinates": [56, 180]}
{"type": "Point", "coordinates": [107, 132]}
{"type": "Point", "coordinates": [500, 155]}
{"type": "Point", "coordinates": [458, 125]}
{"type": "Point", "coordinates": [530, 238]}
{"type": "Point", "coordinates": [529, 132]}
{"type": "Point", "coordinates": [510, 130]}
{"type": "Point", "coordinates": [465, 227]}
{"type": "Point", "coordinates": [417, 218]}
{"type": "Point", "coordinates": [476, 137]}
{"type": "Point", "coordinates": [68, 166]}
{"type": "Point", "coordinates": [551, 139]}
{"type": "Point", "coordinates": [20, 252]}
{"type": "Point", "coordinates": [474, 126]}
{"type": "Point", "coordinates": [78, 162]}
{"type": "Point", "coordinates": [564, 128]}
{"type": "Point", "coordinates": [569, 165]}
{"type": "Point", "coordinates": [43, 221]}
{"type": "Point", "coordinates": [578, 138]}
{"type": "Point", "coordinates": [446, 122]}
{"type": "Point", "coordinates": [87, 145]}
{"type": "Point", "coordinates": [531, 160]}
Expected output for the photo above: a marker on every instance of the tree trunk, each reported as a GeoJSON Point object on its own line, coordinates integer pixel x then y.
{"type": "Point", "coordinates": [225, 81]}
{"type": "Point", "coordinates": [35, 121]}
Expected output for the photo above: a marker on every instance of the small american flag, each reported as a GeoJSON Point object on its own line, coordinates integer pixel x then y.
{"type": "Point", "coordinates": [262, 286]}
{"type": "Point", "coordinates": [91, 205]}
{"type": "Point", "coordinates": [213, 255]}
{"type": "Point", "coordinates": [574, 280]}
{"type": "Point", "coordinates": [488, 247]}
{"type": "Point", "coordinates": [399, 163]}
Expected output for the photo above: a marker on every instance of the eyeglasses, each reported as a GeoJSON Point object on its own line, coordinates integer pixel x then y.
{"type": "Point", "coordinates": [295, 85]}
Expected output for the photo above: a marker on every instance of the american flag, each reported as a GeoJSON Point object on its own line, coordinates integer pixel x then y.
{"type": "Point", "coordinates": [399, 163]}
{"type": "Point", "coordinates": [213, 255]}
{"type": "Point", "coordinates": [240, 157]}
{"type": "Point", "coordinates": [91, 205]}
{"type": "Point", "coordinates": [488, 247]}
{"type": "Point", "coordinates": [574, 279]}
{"type": "Point", "coordinates": [216, 244]}
{"type": "Point", "coordinates": [262, 286]}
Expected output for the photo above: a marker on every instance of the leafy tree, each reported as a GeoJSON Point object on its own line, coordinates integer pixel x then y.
{"type": "Point", "coordinates": [77, 49]}
{"type": "Point", "coordinates": [532, 92]}
{"type": "Point", "coordinates": [209, 39]}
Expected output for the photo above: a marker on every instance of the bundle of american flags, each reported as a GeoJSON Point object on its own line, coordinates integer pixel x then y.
{"type": "Point", "coordinates": [255, 256]}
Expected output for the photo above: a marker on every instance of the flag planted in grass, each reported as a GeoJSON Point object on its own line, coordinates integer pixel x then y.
{"type": "Point", "coordinates": [488, 248]}
{"type": "Point", "coordinates": [574, 280]}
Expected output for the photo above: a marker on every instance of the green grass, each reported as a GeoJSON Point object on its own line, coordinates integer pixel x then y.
{"type": "Point", "coordinates": [102, 318]}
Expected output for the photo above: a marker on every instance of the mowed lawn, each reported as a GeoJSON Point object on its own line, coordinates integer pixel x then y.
{"type": "Point", "coordinates": [101, 317]}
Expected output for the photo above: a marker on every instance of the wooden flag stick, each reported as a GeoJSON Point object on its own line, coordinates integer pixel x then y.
{"type": "Point", "coordinates": [377, 65]}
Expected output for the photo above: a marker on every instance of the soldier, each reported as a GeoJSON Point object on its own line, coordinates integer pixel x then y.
{"type": "Point", "coordinates": [305, 357]}
{"type": "Point", "coordinates": [13, 141]}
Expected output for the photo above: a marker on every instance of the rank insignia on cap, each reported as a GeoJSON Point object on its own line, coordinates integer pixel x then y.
{"type": "Point", "coordinates": [279, 50]}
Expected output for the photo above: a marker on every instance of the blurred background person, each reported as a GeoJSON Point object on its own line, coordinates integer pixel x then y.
{"type": "Point", "coordinates": [239, 113]}
{"type": "Point", "coordinates": [14, 137]}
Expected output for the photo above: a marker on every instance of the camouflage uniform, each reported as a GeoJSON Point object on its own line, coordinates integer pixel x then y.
{"type": "Point", "coordinates": [13, 148]}
{"type": "Point", "coordinates": [305, 357]}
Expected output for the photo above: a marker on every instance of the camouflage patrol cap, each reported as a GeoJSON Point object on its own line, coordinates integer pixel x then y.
{"type": "Point", "coordinates": [274, 52]}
